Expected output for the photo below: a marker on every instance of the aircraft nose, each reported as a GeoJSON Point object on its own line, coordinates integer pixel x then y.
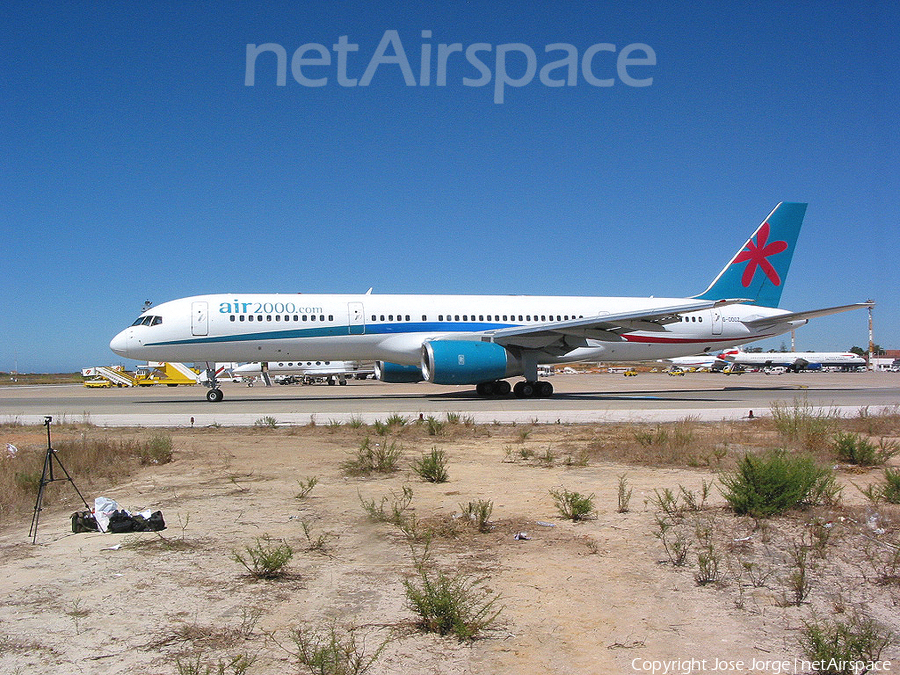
{"type": "Point", "coordinates": [119, 344]}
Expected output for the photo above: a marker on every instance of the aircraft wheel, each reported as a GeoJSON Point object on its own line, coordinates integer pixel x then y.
{"type": "Point", "coordinates": [524, 389]}
{"type": "Point", "coordinates": [214, 395]}
{"type": "Point", "coordinates": [502, 388]}
{"type": "Point", "coordinates": [543, 389]}
{"type": "Point", "coordinates": [484, 388]}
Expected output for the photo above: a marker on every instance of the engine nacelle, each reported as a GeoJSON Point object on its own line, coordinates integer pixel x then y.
{"type": "Point", "coordinates": [466, 362]}
{"type": "Point", "coordinates": [394, 372]}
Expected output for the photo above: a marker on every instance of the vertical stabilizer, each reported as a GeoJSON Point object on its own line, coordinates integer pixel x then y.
{"type": "Point", "coordinates": [759, 269]}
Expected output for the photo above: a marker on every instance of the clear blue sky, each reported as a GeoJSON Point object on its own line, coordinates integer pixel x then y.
{"type": "Point", "coordinates": [136, 163]}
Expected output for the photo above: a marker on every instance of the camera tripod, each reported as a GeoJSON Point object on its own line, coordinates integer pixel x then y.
{"type": "Point", "coordinates": [48, 477]}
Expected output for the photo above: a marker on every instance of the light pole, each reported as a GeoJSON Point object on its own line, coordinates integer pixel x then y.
{"type": "Point", "coordinates": [871, 338]}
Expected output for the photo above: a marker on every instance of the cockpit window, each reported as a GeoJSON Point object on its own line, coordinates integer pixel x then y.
{"type": "Point", "coordinates": [147, 321]}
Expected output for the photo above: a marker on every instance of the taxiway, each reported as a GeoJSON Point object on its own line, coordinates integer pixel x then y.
{"type": "Point", "coordinates": [648, 397]}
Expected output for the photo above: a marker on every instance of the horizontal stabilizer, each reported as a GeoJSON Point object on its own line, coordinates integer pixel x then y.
{"type": "Point", "coordinates": [801, 316]}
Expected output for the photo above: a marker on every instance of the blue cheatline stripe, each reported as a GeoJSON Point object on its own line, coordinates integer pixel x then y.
{"type": "Point", "coordinates": [338, 331]}
{"type": "Point", "coordinates": [399, 329]}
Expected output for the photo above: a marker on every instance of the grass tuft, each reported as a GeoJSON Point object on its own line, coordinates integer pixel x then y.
{"type": "Point", "coordinates": [432, 466]}
{"type": "Point", "coordinates": [839, 645]}
{"type": "Point", "coordinates": [266, 559]}
{"type": "Point", "coordinates": [775, 482]}
{"type": "Point", "coordinates": [450, 604]}
{"type": "Point", "coordinates": [330, 651]}
{"type": "Point", "coordinates": [573, 505]}
{"type": "Point", "coordinates": [373, 458]}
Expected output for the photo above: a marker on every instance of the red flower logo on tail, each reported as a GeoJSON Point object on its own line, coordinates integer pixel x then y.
{"type": "Point", "coordinates": [756, 254]}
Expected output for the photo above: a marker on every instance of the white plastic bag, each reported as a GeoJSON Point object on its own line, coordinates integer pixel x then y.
{"type": "Point", "coordinates": [103, 509]}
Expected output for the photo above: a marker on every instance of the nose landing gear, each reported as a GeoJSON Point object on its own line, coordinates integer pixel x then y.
{"type": "Point", "coordinates": [214, 395]}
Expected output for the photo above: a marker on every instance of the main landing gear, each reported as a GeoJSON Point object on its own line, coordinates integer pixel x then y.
{"type": "Point", "coordinates": [495, 388]}
{"type": "Point", "coordinates": [529, 389]}
{"type": "Point", "coordinates": [524, 389]}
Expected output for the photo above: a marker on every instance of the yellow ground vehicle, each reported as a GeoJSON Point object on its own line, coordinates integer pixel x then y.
{"type": "Point", "coordinates": [169, 374]}
{"type": "Point", "coordinates": [631, 372]}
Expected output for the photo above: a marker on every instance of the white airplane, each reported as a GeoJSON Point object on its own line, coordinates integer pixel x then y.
{"type": "Point", "coordinates": [793, 361]}
{"type": "Point", "coordinates": [332, 371]}
{"type": "Point", "coordinates": [482, 339]}
{"type": "Point", "coordinates": [697, 361]}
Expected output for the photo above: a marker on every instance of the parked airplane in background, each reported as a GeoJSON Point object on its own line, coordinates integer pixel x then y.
{"type": "Point", "coordinates": [696, 362]}
{"type": "Point", "coordinates": [483, 339]}
{"type": "Point", "coordinates": [332, 371]}
{"type": "Point", "coordinates": [793, 361]}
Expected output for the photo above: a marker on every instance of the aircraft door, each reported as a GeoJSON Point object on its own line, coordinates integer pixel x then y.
{"type": "Point", "coordinates": [716, 322]}
{"type": "Point", "coordinates": [357, 318]}
{"type": "Point", "coordinates": [199, 318]}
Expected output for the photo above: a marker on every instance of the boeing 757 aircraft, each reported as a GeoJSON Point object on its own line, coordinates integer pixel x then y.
{"type": "Point", "coordinates": [482, 339]}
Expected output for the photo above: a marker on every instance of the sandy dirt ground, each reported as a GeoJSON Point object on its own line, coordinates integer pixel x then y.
{"type": "Point", "coordinates": [597, 596]}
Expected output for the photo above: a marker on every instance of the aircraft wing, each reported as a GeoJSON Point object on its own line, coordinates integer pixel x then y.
{"type": "Point", "coordinates": [801, 316]}
{"type": "Point", "coordinates": [564, 336]}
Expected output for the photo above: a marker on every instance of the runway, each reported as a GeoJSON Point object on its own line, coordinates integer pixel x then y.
{"type": "Point", "coordinates": [649, 397]}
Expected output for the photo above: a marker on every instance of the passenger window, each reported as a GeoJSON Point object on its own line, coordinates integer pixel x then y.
{"type": "Point", "coordinates": [278, 317]}
{"type": "Point", "coordinates": [242, 317]}
{"type": "Point", "coordinates": [232, 318]}
{"type": "Point", "coordinates": [268, 317]}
